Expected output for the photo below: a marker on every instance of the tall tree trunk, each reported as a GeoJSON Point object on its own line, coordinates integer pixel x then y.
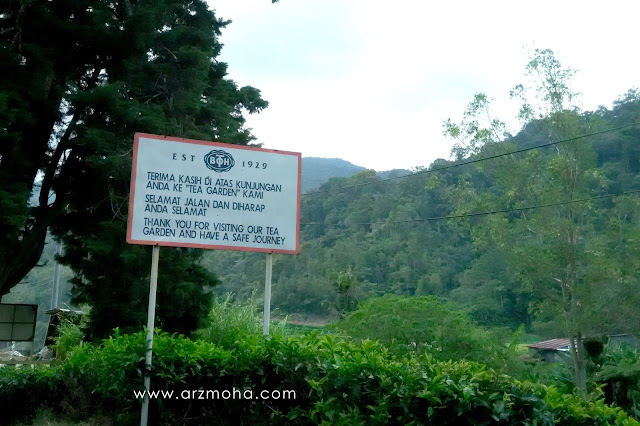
{"type": "Point", "coordinates": [579, 367]}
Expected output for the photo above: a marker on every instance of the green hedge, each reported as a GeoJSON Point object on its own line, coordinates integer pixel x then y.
{"type": "Point", "coordinates": [336, 382]}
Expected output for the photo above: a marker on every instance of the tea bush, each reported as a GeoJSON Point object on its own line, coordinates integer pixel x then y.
{"type": "Point", "coordinates": [336, 382]}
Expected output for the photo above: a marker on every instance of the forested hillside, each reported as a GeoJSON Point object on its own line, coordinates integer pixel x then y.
{"type": "Point", "coordinates": [316, 171]}
{"type": "Point", "coordinates": [398, 236]}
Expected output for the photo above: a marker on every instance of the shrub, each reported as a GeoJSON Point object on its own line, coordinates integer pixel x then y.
{"type": "Point", "coordinates": [336, 382]}
{"type": "Point", "coordinates": [427, 324]}
{"type": "Point", "coordinates": [232, 323]}
{"type": "Point", "coordinates": [68, 336]}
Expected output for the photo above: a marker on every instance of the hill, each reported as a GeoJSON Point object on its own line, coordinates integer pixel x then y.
{"type": "Point", "coordinates": [316, 171]}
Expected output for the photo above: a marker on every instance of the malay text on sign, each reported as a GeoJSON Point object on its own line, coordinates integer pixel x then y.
{"type": "Point", "coordinates": [203, 194]}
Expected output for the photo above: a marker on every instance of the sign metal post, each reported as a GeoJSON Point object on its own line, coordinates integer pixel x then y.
{"type": "Point", "coordinates": [151, 317]}
{"type": "Point", "coordinates": [267, 295]}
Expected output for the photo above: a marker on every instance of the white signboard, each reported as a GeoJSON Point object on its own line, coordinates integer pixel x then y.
{"type": "Point", "coordinates": [190, 193]}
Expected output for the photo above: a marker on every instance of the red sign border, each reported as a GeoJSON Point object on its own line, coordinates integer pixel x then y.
{"type": "Point", "coordinates": [207, 246]}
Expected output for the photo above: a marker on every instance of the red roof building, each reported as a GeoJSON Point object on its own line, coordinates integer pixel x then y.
{"type": "Point", "coordinates": [554, 350]}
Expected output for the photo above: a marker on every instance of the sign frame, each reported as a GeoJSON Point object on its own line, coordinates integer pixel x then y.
{"type": "Point", "coordinates": [152, 242]}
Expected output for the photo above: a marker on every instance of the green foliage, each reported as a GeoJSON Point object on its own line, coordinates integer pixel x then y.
{"type": "Point", "coordinates": [620, 372]}
{"type": "Point", "coordinates": [346, 288]}
{"type": "Point", "coordinates": [119, 299]}
{"type": "Point", "coordinates": [549, 88]}
{"type": "Point", "coordinates": [69, 336]}
{"type": "Point", "coordinates": [336, 382]}
{"type": "Point", "coordinates": [478, 128]}
{"type": "Point", "coordinates": [566, 254]}
{"type": "Point", "coordinates": [426, 324]}
{"type": "Point", "coordinates": [232, 323]}
{"type": "Point", "coordinates": [491, 292]}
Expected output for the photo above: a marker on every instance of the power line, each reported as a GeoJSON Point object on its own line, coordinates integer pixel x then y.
{"type": "Point", "coordinates": [478, 160]}
{"type": "Point", "coordinates": [459, 216]}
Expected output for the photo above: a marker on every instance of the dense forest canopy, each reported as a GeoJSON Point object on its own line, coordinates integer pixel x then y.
{"type": "Point", "coordinates": [378, 231]}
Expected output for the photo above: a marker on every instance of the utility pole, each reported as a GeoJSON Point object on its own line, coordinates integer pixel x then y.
{"type": "Point", "coordinates": [56, 278]}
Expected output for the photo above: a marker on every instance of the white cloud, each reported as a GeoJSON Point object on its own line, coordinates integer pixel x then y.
{"type": "Point", "coordinates": [372, 81]}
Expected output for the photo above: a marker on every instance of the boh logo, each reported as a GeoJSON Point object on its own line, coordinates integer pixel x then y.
{"type": "Point", "coordinates": [219, 161]}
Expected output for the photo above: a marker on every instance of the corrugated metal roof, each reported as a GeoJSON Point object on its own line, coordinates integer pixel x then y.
{"type": "Point", "coordinates": [553, 344]}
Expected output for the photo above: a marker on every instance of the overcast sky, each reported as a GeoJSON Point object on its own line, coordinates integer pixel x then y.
{"type": "Point", "coordinates": [372, 81]}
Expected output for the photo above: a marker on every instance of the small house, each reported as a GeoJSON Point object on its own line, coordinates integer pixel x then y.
{"type": "Point", "coordinates": [557, 350]}
{"type": "Point", "coordinates": [554, 350]}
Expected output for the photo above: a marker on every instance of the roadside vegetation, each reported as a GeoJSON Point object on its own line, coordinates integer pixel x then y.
{"type": "Point", "coordinates": [336, 379]}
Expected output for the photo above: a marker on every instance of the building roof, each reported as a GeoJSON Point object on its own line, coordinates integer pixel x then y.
{"type": "Point", "coordinates": [63, 311]}
{"type": "Point", "coordinates": [552, 345]}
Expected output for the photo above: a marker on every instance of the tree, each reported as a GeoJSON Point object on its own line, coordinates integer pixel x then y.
{"type": "Point", "coordinates": [477, 128]}
{"type": "Point", "coordinates": [345, 285]}
{"type": "Point", "coordinates": [71, 99]}
{"type": "Point", "coordinates": [559, 234]}
{"type": "Point", "coordinates": [491, 293]}
{"type": "Point", "coordinates": [564, 253]}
